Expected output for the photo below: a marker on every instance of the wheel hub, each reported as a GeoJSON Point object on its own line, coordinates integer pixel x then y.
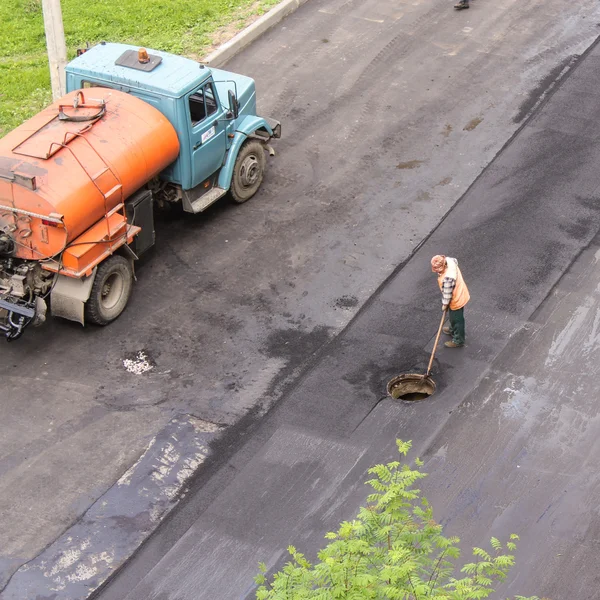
{"type": "Point", "coordinates": [249, 171]}
{"type": "Point", "coordinates": [111, 291]}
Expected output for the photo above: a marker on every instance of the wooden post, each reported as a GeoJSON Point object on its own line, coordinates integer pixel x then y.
{"type": "Point", "coordinates": [57, 49]}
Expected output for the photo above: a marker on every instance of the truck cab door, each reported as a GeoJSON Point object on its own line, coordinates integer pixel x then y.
{"type": "Point", "coordinates": [207, 132]}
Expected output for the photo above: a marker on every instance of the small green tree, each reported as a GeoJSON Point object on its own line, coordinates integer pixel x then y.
{"type": "Point", "coordinates": [393, 550]}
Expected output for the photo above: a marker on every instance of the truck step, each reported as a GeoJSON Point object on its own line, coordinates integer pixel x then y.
{"type": "Point", "coordinates": [115, 209]}
{"type": "Point", "coordinates": [205, 200]}
{"type": "Point", "coordinates": [113, 190]}
{"type": "Point", "coordinates": [99, 174]}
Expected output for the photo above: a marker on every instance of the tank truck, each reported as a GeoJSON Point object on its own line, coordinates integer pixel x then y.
{"type": "Point", "coordinates": [79, 180]}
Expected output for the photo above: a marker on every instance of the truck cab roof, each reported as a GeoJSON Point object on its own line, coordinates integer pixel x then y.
{"type": "Point", "coordinates": [167, 74]}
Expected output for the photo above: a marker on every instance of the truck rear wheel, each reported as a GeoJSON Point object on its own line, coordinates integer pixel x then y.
{"type": "Point", "coordinates": [110, 291]}
{"type": "Point", "coordinates": [248, 171]}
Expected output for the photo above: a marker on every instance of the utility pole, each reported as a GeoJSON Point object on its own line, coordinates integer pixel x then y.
{"type": "Point", "coordinates": [57, 49]}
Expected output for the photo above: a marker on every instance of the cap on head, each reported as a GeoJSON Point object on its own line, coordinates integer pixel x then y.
{"type": "Point", "coordinates": [438, 263]}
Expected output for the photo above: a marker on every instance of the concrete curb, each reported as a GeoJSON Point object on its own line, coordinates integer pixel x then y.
{"type": "Point", "coordinates": [245, 37]}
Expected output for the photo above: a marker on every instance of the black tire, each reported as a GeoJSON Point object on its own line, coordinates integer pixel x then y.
{"type": "Point", "coordinates": [110, 291]}
{"type": "Point", "coordinates": [248, 171]}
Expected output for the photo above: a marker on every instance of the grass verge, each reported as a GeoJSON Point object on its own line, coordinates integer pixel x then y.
{"type": "Point", "coordinates": [189, 27]}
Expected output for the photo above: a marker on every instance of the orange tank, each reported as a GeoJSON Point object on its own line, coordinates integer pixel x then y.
{"type": "Point", "coordinates": [74, 164]}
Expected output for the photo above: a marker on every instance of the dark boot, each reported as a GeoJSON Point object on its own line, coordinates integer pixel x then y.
{"type": "Point", "coordinates": [462, 4]}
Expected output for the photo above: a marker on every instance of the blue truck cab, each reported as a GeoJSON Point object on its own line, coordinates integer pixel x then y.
{"type": "Point", "coordinates": [222, 139]}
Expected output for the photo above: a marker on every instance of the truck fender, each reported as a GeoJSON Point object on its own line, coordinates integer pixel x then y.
{"type": "Point", "coordinates": [226, 172]}
{"type": "Point", "coordinates": [251, 123]}
{"type": "Point", "coordinates": [244, 129]}
{"type": "Point", "coordinates": [69, 295]}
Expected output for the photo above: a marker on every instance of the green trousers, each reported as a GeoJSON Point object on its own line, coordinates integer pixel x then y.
{"type": "Point", "coordinates": [457, 325]}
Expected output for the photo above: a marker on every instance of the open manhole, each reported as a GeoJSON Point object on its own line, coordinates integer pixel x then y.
{"type": "Point", "coordinates": [411, 387]}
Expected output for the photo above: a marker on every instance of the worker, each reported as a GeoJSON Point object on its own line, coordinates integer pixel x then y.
{"type": "Point", "coordinates": [461, 4]}
{"type": "Point", "coordinates": [455, 296]}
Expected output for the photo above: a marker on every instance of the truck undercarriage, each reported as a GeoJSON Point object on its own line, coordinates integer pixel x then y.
{"type": "Point", "coordinates": [23, 287]}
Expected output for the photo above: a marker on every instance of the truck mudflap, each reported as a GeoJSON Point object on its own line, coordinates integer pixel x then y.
{"type": "Point", "coordinates": [69, 296]}
{"type": "Point", "coordinates": [16, 314]}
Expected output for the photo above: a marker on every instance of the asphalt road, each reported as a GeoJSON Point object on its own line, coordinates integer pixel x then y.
{"type": "Point", "coordinates": [390, 111]}
{"type": "Point", "coordinates": [510, 439]}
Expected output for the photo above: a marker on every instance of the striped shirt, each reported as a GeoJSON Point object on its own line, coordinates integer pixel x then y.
{"type": "Point", "coordinates": [452, 285]}
{"type": "Point", "coordinates": [448, 286]}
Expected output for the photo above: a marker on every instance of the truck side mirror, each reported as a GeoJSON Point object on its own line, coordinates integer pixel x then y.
{"type": "Point", "coordinates": [234, 106]}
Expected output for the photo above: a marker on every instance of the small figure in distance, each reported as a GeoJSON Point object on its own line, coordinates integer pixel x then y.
{"type": "Point", "coordinates": [461, 4]}
{"type": "Point", "coordinates": [455, 296]}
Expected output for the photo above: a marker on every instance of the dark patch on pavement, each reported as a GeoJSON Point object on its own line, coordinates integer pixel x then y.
{"type": "Point", "coordinates": [578, 230]}
{"type": "Point", "coordinates": [294, 344]}
{"type": "Point", "coordinates": [543, 87]}
{"type": "Point", "coordinates": [411, 164]}
{"type": "Point", "coordinates": [542, 268]}
{"type": "Point", "coordinates": [370, 377]}
{"type": "Point", "coordinates": [472, 124]}
{"type": "Point", "coordinates": [346, 302]}
{"type": "Point", "coordinates": [512, 302]}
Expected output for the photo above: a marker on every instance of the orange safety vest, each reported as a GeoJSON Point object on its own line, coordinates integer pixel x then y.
{"type": "Point", "coordinates": [461, 295]}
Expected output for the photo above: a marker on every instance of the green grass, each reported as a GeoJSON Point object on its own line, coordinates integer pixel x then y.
{"type": "Point", "coordinates": [178, 26]}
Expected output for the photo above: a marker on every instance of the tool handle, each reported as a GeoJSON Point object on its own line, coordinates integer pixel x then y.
{"type": "Point", "coordinates": [437, 339]}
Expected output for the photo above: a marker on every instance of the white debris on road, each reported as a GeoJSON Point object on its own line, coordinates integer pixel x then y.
{"type": "Point", "coordinates": [138, 365]}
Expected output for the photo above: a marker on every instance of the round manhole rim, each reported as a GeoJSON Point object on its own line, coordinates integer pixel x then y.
{"type": "Point", "coordinates": [413, 383]}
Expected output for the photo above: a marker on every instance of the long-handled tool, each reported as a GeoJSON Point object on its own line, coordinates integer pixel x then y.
{"type": "Point", "coordinates": [437, 339]}
{"type": "Point", "coordinates": [412, 386]}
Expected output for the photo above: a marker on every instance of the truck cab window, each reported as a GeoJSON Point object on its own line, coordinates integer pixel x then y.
{"type": "Point", "coordinates": [197, 108]}
{"type": "Point", "coordinates": [209, 97]}
{"type": "Point", "coordinates": [203, 103]}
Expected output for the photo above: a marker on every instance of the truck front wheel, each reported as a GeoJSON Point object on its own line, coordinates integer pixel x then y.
{"type": "Point", "coordinates": [110, 291]}
{"type": "Point", "coordinates": [248, 171]}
